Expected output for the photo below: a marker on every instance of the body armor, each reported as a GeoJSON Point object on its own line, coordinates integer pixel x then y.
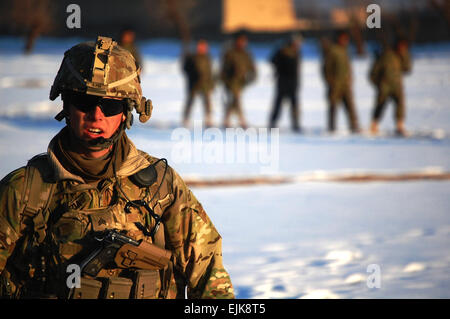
{"type": "Point", "coordinates": [64, 233]}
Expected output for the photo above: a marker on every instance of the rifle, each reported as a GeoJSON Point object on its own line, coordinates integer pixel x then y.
{"type": "Point", "coordinates": [120, 251]}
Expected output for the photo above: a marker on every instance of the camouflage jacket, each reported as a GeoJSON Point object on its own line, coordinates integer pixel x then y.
{"type": "Point", "coordinates": [286, 64]}
{"type": "Point", "coordinates": [198, 70]}
{"type": "Point", "coordinates": [238, 69]}
{"type": "Point", "coordinates": [337, 69]}
{"type": "Point", "coordinates": [76, 209]}
{"type": "Point", "coordinates": [389, 68]}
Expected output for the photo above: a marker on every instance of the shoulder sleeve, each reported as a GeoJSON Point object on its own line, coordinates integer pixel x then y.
{"type": "Point", "coordinates": [406, 62]}
{"type": "Point", "coordinates": [196, 244]}
{"type": "Point", "coordinates": [251, 61]}
{"type": "Point", "coordinates": [11, 206]}
{"type": "Point", "coordinates": [329, 67]}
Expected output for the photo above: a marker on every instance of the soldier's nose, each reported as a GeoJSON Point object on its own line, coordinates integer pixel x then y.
{"type": "Point", "coordinates": [96, 113]}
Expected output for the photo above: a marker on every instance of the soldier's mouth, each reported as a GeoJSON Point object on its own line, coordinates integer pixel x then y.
{"type": "Point", "coordinates": [94, 132]}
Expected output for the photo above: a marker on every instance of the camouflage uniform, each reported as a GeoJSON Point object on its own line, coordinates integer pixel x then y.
{"type": "Point", "coordinates": [286, 63]}
{"type": "Point", "coordinates": [238, 70]}
{"type": "Point", "coordinates": [337, 73]}
{"type": "Point", "coordinates": [50, 217]}
{"type": "Point", "coordinates": [386, 74]}
{"type": "Point", "coordinates": [198, 70]}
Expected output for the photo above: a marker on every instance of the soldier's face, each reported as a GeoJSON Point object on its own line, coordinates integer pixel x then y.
{"type": "Point", "coordinates": [128, 37]}
{"type": "Point", "coordinates": [93, 124]}
{"type": "Point", "coordinates": [241, 42]}
{"type": "Point", "coordinates": [344, 39]}
{"type": "Point", "coordinates": [295, 45]}
{"type": "Point", "coordinates": [202, 47]}
{"type": "Point", "coordinates": [402, 47]}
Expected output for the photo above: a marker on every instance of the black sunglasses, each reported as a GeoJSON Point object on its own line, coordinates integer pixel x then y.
{"type": "Point", "coordinates": [87, 103]}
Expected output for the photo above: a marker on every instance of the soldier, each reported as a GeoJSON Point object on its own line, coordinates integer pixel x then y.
{"type": "Point", "coordinates": [238, 70]}
{"type": "Point", "coordinates": [338, 76]}
{"type": "Point", "coordinates": [93, 202]}
{"type": "Point", "coordinates": [386, 74]}
{"type": "Point", "coordinates": [127, 41]}
{"type": "Point", "coordinates": [198, 69]}
{"type": "Point", "coordinates": [286, 64]}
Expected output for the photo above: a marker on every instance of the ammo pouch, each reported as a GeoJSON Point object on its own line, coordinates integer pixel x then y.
{"type": "Point", "coordinates": [146, 284]}
{"type": "Point", "coordinates": [89, 289]}
{"type": "Point", "coordinates": [142, 284]}
{"type": "Point", "coordinates": [116, 288]}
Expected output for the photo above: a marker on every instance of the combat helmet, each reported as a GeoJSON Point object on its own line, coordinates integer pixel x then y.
{"type": "Point", "coordinates": [102, 68]}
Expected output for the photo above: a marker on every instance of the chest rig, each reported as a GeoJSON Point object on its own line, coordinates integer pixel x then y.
{"type": "Point", "coordinates": [71, 229]}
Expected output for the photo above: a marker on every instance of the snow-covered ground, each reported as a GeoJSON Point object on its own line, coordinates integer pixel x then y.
{"type": "Point", "coordinates": [305, 239]}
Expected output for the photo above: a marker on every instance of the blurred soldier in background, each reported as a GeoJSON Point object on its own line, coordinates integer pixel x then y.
{"type": "Point", "coordinates": [127, 41]}
{"type": "Point", "coordinates": [386, 74]}
{"type": "Point", "coordinates": [198, 70]}
{"type": "Point", "coordinates": [338, 76]}
{"type": "Point", "coordinates": [286, 64]}
{"type": "Point", "coordinates": [238, 70]}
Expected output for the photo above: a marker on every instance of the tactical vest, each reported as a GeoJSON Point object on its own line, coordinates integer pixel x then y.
{"type": "Point", "coordinates": [59, 235]}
